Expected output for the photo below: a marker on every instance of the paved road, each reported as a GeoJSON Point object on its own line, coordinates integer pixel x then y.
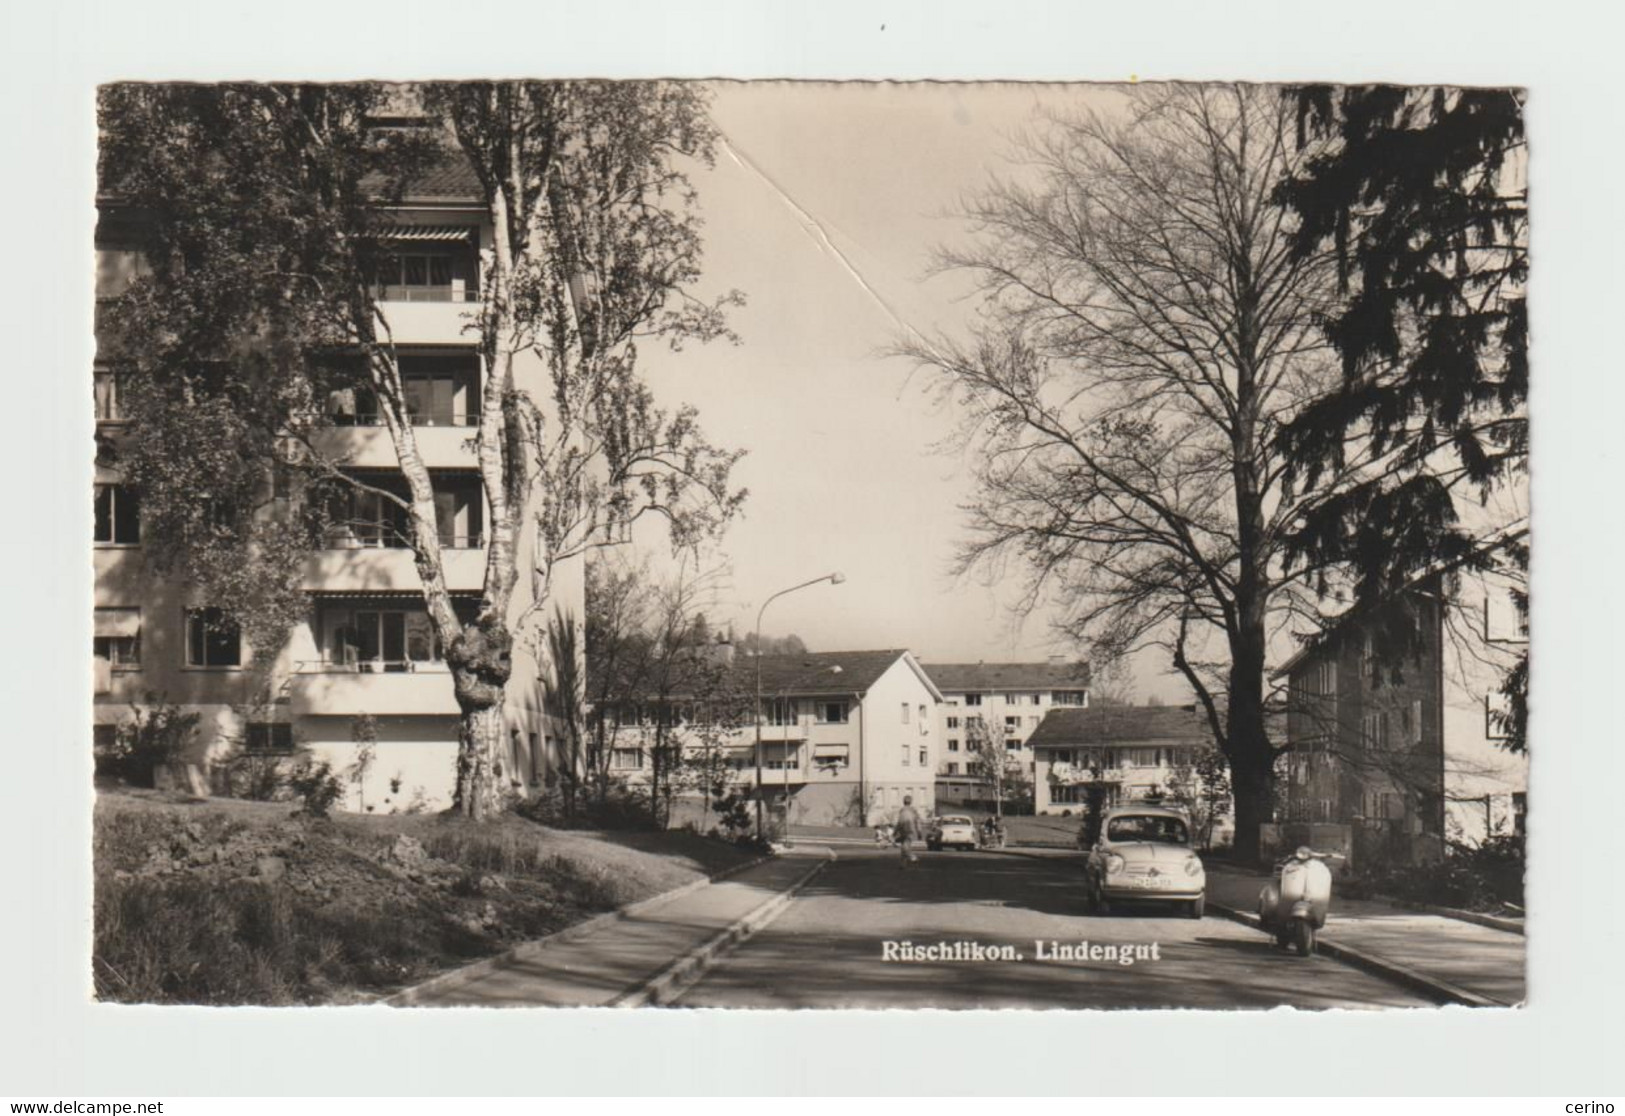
{"type": "Point", "coordinates": [827, 948]}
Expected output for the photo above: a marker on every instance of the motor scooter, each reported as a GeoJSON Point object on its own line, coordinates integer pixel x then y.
{"type": "Point", "coordinates": [1293, 905]}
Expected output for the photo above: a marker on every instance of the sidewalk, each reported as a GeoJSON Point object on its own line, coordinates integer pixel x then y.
{"type": "Point", "coordinates": [1481, 960]}
{"type": "Point", "coordinates": [596, 968]}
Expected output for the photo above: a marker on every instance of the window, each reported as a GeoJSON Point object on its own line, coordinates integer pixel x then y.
{"type": "Point", "coordinates": [118, 266]}
{"type": "Point", "coordinates": [626, 759]}
{"type": "Point", "coordinates": [953, 701]}
{"type": "Point", "coordinates": [922, 718]}
{"type": "Point", "coordinates": [1012, 724]}
{"type": "Point", "coordinates": [905, 712]}
{"type": "Point", "coordinates": [953, 722]}
{"type": "Point", "coordinates": [104, 738]}
{"type": "Point", "coordinates": [1415, 734]}
{"type": "Point", "coordinates": [780, 711]}
{"type": "Point", "coordinates": [832, 712]}
{"type": "Point", "coordinates": [109, 396]}
{"type": "Point", "coordinates": [212, 639]}
{"type": "Point", "coordinates": [953, 744]}
{"type": "Point", "coordinates": [1011, 699]}
{"type": "Point", "coordinates": [925, 760]}
{"type": "Point", "coordinates": [117, 639]}
{"type": "Point", "coordinates": [270, 736]}
{"type": "Point", "coordinates": [831, 757]}
{"type": "Point", "coordinates": [1071, 697]}
{"type": "Point", "coordinates": [905, 755]}
{"type": "Point", "coordinates": [118, 515]}
{"type": "Point", "coordinates": [1032, 721]}
{"type": "Point", "coordinates": [951, 769]}
{"type": "Point", "coordinates": [973, 699]}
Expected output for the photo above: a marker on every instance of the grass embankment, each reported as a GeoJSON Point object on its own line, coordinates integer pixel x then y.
{"type": "Point", "coordinates": [225, 902]}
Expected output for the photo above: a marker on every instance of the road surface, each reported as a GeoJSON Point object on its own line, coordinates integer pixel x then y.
{"type": "Point", "coordinates": [829, 949]}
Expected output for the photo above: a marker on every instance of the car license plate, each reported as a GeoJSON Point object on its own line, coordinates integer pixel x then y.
{"type": "Point", "coordinates": [1156, 883]}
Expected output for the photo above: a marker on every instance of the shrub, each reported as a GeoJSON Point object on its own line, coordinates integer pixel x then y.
{"type": "Point", "coordinates": [1471, 877]}
{"type": "Point", "coordinates": [157, 734]}
{"type": "Point", "coordinates": [317, 785]}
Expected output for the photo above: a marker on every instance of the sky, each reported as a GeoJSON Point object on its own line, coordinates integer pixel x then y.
{"type": "Point", "coordinates": [824, 206]}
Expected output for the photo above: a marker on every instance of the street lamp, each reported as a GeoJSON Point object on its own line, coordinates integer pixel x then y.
{"type": "Point", "coordinates": [833, 579]}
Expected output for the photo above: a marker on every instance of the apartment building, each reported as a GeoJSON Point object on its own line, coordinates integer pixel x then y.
{"type": "Point", "coordinates": [1131, 751]}
{"type": "Point", "coordinates": [1010, 699]}
{"type": "Point", "coordinates": [367, 645]}
{"type": "Point", "coordinates": [1389, 760]}
{"type": "Point", "coordinates": [845, 735]}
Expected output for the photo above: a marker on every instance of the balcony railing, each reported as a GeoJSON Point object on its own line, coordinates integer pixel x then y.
{"type": "Point", "coordinates": [394, 687]}
{"type": "Point", "coordinates": [436, 418]}
{"type": "Point", "coordinates": [341, 540]}
{"type": "Point", "coordinates": [456, 292]}
{"type": "Point", "coordinates": [372, 666]}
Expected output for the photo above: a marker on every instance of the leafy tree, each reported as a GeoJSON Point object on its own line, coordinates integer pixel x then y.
{"type": "Point", "coordinates": [1421, 194]}
{"type": "Point", "coordinates": [265, 217]}
{"type": "Point", "coordinates": [1201, 785]}
{"type": "Point", "coordinates": [992, 763]}
{"type": "Point", "coordinates": [1148, 326]}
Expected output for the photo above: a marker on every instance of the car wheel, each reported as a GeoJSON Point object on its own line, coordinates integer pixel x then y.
{"type": "Point", "coordinates": [1194, 908]}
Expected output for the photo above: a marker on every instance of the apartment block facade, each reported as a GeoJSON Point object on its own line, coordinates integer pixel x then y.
{"type": "Point", "coordinates": [1131, 752]}
{"type": "Point", "coordinates": [366, 645]}
{"type": "Point", "coordinates": [1402, 756]}
{"type": "Point", "coordinates": [1011, 700]}
{"type": "Point", "coordinates": [845, 735]}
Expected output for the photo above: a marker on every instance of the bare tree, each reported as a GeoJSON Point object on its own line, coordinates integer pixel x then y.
{"type": "Point", "coordinates": [1147, 328]}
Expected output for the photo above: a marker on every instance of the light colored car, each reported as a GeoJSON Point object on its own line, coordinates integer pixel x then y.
{"type": "Point", "coordinates": [951, 829]}
{"type": "Point", "coordinates": [1144, 854]}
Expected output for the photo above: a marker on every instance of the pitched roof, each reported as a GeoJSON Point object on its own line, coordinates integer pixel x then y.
{"type": "Point", "coordinates": [1113, 724]}
{"type": "Point", "coordinates": [823, 672]}
{"type": "Point", "coordinates": [972, 677]}
{"type": "Point", "coordinates": [808, 675]}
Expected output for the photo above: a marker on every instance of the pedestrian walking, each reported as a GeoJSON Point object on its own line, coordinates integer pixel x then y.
{"type": "Point", "coordinates": [908, 830]}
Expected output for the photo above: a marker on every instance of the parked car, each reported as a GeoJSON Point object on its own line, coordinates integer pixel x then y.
{"type": "Point", "coordinates": [951, 829]}
{"type": "Point", "coordinates": [1144, 854]}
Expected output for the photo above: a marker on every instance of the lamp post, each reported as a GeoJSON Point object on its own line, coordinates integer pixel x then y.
{"type": "Point", "coordinates": [833, 579]}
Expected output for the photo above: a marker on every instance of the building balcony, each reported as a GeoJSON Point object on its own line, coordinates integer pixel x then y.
{"type": "Point", "coordinates": [431, 315]}
{"type": "Point", "coordinates": [383, 689]}
{"type": "Point", "coordinates": [780, 733]}
{"type": "Point", "coordinates": [442, 445]}
{"type": "Point", "coordinates": [388, 569]}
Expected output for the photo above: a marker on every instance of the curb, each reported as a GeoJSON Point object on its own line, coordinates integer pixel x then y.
{"type": "Point", "coordinates": [1509, 925]}
{"type": "Point", "coordinates": [665, 987]}
{"type": "Point", "coordinates": [1440, 990]}
{"type": "Point", "coordinates": [409, 997]}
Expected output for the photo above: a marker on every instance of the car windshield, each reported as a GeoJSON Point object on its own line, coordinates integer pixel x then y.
{"type": "Point", "coordinates": [955, 821]}
{"type": "Point", "coordinates": [1148, 827]}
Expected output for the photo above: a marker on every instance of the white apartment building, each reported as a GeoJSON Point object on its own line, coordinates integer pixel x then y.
{"type": "Point", "coordinates": [1010, 698]}
{"type": "Point", "coordinates": [1131, 751]}
{"type": "Point", "coordinates": [845, 735]}
{"type": "Point", "coordinates": [367, 646]}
